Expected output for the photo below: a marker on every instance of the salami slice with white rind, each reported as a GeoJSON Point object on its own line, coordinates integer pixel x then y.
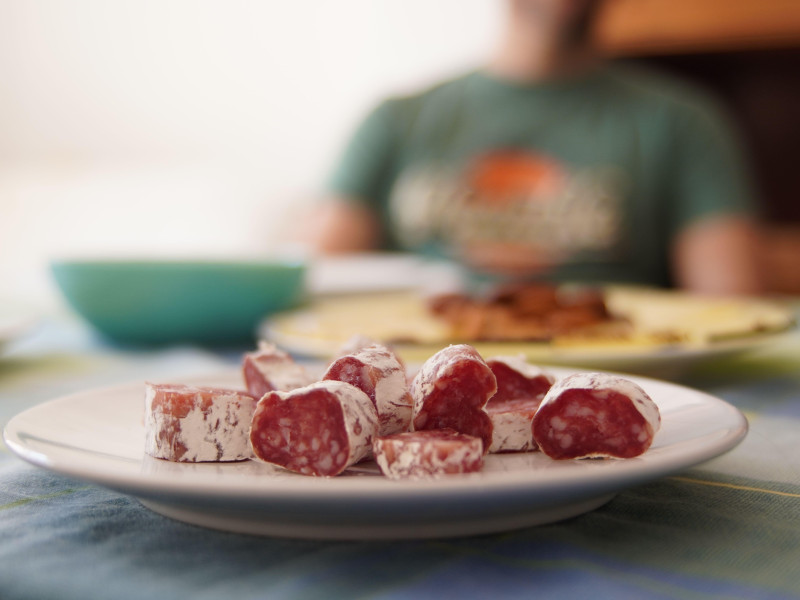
{"type": "Point", "coordinates": [354, 344]}
{"type": "Point", "coordinates": [320, 429]}
{"type": "Point", "coordinates": [450, 392]}
{"type": "Point", "coordinates": [197, 424]}
{"type": "Point", "coordinates": [376, 371]}
{"type": "Point", "coordinates": [511, 423]}
{"type": "Point", "coordinates": [428, 454]}
{"type": "Point", "coordinates": [595, 415]}
{"type": "Point", "coordinates": [271, 369]}
{"type": "Point", "coordinates": [517, 378]}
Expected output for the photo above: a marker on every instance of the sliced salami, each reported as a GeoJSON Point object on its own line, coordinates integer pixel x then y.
{"type": "Point", "coordinates": [520, 389]}
{"type": "Point", "coordinates": [376, 371]}
{"type": "Point", "coordinates": [511, 424]}
{"type": "Point", "coordinates": [450, 392]}
{"type": "Point", "coordinates": [354, 344]}
{"type": "Point", "coordinates": [320, 429]}
{"type": "Point", "coordinates": [427, 454]}
{"type": "Point", "coordinates": [271, 369]}
{"type": "Point", "coordinates": [197, 424]}
{"type": "Point", "coordinates": [594, 415]}
{"type": "Point", "coordinates": [517, 378]}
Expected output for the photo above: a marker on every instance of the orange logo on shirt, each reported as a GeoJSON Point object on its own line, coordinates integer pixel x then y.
{"type": "Point", "coordinates": [513, 198]}
{"type": "Point", "coordinates": [506, 176]}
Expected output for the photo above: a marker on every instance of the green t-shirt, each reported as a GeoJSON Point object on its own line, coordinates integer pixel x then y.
{"type": "Point", "coordinates": [598, 172]}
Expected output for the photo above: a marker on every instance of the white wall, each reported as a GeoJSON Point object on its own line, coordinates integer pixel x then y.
{"type": "Point", "coordinates": [186, 127]}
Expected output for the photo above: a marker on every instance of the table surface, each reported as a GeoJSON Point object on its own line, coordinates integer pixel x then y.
{"type": "Point", "coordinates": [729, 528]}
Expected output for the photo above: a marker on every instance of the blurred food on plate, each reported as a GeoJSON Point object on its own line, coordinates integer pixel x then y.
{"type": "Point", "coordinates": [612, 327]}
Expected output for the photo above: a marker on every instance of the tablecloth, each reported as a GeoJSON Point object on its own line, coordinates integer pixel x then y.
{"type": "Point", "coordinates": [729, 528]}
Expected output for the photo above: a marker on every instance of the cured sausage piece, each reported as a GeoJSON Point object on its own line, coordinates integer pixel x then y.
{"type": "Point", "coordinates": [359, 342]}
{"type": "Point", "coordinates": [451, 390]}
{"type": "Point", "coordinates": [594, 415]}
{"type": "Point", "coordinates": [516, 378]}
{"type": "Point", "coordinates": [520, 389]}
{"type": "Point", "coordinates": [197, 424]}
{"type": "Point", "coordinates": [354, 344]}
{"type": "Point", "coordinates": [271, 369]}
{"type": "Point", "coordinates": [320, 429]}
{"type": "Point", "coordinates": [511, 423]}
{"type": "Point", "coordinates": [427, 454]}
{"type": "Point", "coordinates": [376, 371]}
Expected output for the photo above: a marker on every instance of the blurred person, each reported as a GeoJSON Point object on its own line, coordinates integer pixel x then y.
{"type": "Point", "coordinates": [549, 163]}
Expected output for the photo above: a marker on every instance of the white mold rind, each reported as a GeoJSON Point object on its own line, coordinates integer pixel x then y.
{"type": "Point", "coordinates": [278, 368]}
{"type": "Point", "coordinates": [512, 431]}
{"type": "Point", "coordinates": [424, 459]}
{"type": "Point", "coordinates": [218, 434]}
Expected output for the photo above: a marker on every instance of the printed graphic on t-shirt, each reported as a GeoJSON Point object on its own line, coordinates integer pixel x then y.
{"type": "Point", "coordinates": [516, 198]}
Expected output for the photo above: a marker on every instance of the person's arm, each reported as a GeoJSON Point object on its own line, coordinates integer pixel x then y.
{"type": "Point", "coordinates": [718, 255]}
{"type": "Point", "coordinates": [508, 259]}
{"type": "Point", "coordinates": [348, 217]}
{"type": "Point", "coordinates": [715, 241]}
{"type": "Point", "coordinates": [340, 225]}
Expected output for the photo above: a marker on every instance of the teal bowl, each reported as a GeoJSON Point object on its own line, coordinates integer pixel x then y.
{"type": "Point", "coordinates": [167, 302]}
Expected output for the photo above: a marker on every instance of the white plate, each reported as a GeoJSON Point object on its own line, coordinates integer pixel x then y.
{"type": "Point", "coordinates": [98, 436]}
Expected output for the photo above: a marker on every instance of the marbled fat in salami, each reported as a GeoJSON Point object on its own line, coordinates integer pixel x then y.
{"type": "Point", "coordinates": [450, 392]}
{"type": "Point", "coordinates": [376, 371]}
{"type": "Point", "coordinates": [594, 415]}
{"type": "Point", "coordinates": [427, 454]}
{"type": "Point", "coordinates": [271, 369]}
{"type": "Point", "coordinates": [197, 424]}
{"type": "Point", "coordinates": [520, 389]}
{"type": "Point", "coordinates": [320, 429]}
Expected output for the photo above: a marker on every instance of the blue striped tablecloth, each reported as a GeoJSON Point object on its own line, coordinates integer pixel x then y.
{"type": "Point", "coordinates": [729, 528]}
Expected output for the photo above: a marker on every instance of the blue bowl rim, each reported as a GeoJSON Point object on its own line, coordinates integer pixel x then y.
{"type": "Point", "coordinates": [272, 263]}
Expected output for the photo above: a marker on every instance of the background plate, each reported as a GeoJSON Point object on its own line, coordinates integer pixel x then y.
{"type": "Point", "coordinates": [708, 328]}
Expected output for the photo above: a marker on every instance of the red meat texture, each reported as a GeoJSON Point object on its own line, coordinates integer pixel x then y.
{"type": "Point", "coordinates": [455, 398]}
{"type": "Point", "coordinates": [585, 423]}
{"type": "Point", "coordinates": [512, 385]}
{"type": "Point", "coordinates": [306, 435]}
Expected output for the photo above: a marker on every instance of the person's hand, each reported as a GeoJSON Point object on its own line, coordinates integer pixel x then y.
{"type": "Point", "coordinates": [719, 255]}
{"type": "Point", "coordinates": [508, 258]}
{"type": "Point", "coordinates": [339, 226]}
